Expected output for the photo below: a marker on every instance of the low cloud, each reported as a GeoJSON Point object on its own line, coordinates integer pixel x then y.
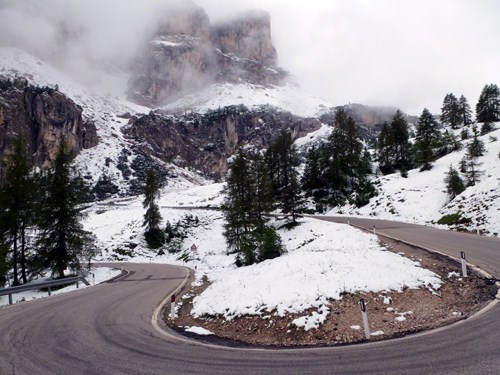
{"type": "Point", "coordinates": [407, 54]}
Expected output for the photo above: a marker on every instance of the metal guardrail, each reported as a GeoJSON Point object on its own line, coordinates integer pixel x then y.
{"type": "Point", "coordinates": [46, 284]}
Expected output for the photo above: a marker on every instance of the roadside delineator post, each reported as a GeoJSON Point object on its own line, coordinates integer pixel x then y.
{"type": "Point", "coordinates": [374, 230]}
{"type": "Point", "coordinates": [348, 222]}
{"type": "Point", "coordinates": [365, 318]}
{"type": "Point", "coordinates": [172, 307]}
{"type": "Point", "coordinates": [464, 264]}
{"type": "Point", "coordinates": [93, 278]}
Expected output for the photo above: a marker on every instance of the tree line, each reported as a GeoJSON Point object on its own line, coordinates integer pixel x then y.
{"type": "Point", "coordinates": [40, 217]}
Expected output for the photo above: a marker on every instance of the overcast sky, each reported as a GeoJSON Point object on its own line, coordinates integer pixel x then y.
{"type": "Point", "coordinates": [407, 54]}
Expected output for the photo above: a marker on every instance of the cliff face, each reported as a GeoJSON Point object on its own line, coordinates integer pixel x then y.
{"type": "Point", "coordinates": [44, 116]}
{"type": "Point", "coordinates": [188, 53]}
{"type": "Point", "coordinates": [248, 37]}
{"type": "Point", "coordinates": [205, 142]}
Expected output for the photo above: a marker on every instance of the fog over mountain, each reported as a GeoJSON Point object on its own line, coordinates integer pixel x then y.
{"type": "Point", "coordinates": [406, 54]}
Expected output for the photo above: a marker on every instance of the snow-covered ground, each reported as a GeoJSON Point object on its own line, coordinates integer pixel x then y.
{"type": "Point", "coordinates": [288, 97]}
{"type": "Point", "coordinates": [422, 197]}
{"type": "Point", "coordinates": [322, 261]}
{"type": "Point", "coordinates": [95, 276]}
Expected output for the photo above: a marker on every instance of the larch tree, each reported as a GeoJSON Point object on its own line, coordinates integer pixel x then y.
{"type": "Point", "coordinates": [454, 183]}
{"type": "Point", "coordinates": [464, 111]}
{"type": "Point", "coordinates": [16, 201]}
{"type": "Point", "coordinates": [154, 236]}
{"type": "Point", "coordinates": [62, 241]}
{"type": "Point", "coordinates": [488, 105]}
{"type": "Point", "coordinates": [450, 111]}
{"type": "Point", "coordinates": [426, 138]}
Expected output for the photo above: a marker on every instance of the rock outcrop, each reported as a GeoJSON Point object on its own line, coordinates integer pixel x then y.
{"type": "Point", "coordinates": [44, 115]}
{"type": "Point", "coordinates": [205, 142]}
{"type": "Point", "coordinates": [188, 53]}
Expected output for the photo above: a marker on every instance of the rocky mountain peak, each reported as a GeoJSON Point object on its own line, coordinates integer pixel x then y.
{"type": "Point", "coordinates": [187, 54]}
{"type": "Point", "coordinates": [247, 36]}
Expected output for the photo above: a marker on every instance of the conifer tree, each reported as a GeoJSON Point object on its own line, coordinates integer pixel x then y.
{"type": "Point", "coordinates": [464, 111]}
{"type": "Point", "coordinates": [249, 196]}
{"type": "Point", "coordinates": [152, 218]}
{"type": "Point", "coordinates": [3, 263]}
{"type": "Point", "coordinates": [16, 200]}
{"type": "Point", "coordinates": [394, 147]}
{"type": "Point", "coordinates": [426, 138]}
{"type": "Point", "coordinates": [263, 197]}
{"type": "Point", "coordinates": [476, 146]}
{"type": "Point", "coordinates": [62, 240]}
{"type": "Point", "coordinates": [470, 167]}
{"type": "Point", "coordinates": [454, 183]}
{"type": "Point", "coordinates": [450, 111]}
{"type": "Point", "coordinates": [385, 147]}
{"type": "Point", "coordinates": [488, 105]}
{"type": "Point", "coordinates": [238, 202]}
{"type": "Point", "coordinates": [283, 161]}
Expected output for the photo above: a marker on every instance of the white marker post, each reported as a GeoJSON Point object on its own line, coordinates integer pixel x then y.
{"type": "Point", "coordinates": [348, 222]}
{"type": "Point", "coordinates": [374, 230]}
{"type": "Point", "coordinates": [172, 308]}
{"type": "Point", "coordinates": [93, 278]}
{"type": "Point", "coordinates": [365, 318]}
{"type": "Point", "coordinates": [464, 264]}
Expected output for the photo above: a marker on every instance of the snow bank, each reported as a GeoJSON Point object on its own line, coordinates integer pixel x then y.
{"type": "Point", "coordinates": [324, 261]}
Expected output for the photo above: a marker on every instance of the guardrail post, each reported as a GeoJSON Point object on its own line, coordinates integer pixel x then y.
{"type": "Point", "coordinates": [464, 264]}
{"type": "Point", "coordinates": [172, 307]}
{"type": "Point", "coordinates": [365, 318]}
{"type": "Point", "coordinates": [50, 291]}
{"type": "Point", "coordinates": [10, 299]}
{"type": "Point", "coordinates": [77, 284]}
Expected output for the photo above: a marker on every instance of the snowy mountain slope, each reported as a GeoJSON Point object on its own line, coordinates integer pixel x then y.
{"type": "Point", "coordinates": [422, 196]}
{"type": "Point", "coordinates": [103, 109]}
{"type": "Point", "coordinates": [289, 98]}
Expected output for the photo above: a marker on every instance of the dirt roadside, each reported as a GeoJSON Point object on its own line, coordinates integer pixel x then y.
{"type": "Point", "coordinates": [390, 313]}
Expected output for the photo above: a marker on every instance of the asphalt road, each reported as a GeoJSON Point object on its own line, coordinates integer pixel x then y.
{"type": "Point", "coordinates": [108, 329]}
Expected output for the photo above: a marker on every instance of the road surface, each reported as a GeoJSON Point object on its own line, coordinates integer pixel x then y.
{"type": "Point", "coordinates": [108, 329]}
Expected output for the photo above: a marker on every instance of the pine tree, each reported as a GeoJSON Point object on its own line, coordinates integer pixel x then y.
{"type": "Point", "coordinates": [152, 218]}
{"type": "Point", "coordinates": [476, 146]}
{"type": "Point", "coordinates": [395, 150]}
{"type": "Point", "coordinates": [464, 111]}
{"type": "Point", "coordinates": [292, 203]}
{"type": "Point", "coordinates": [400, 134]}
{"type": "Point", "coordinates": [3, 262]}
{"type": "Point", "coordinates": [386, 149]}
{"type": "Point", "coordinates": [283, 160]}
{"type": "Point", "coordinates": [426, 137]}
{"type": "Point", "coordinates": [450, 111]}
{"type": "Point", "coordinates": [469, 166]}
{"type": "Point", "coordinates": [454, 183]}
{"type": "Point", "coordinates": [249, 197]}
{"type": "Point", "coordinates": [16, 200]}
{"type": "Point", "coordinates": [488, 105]}
{"type": "Point", "coordinates": [263, 197]}
{"type": "Point", "coordinates": [62, 240]}
{"type": "Point", "coordinates": [238, 202]}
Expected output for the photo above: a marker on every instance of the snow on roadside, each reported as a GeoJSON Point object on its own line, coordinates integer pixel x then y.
{"type": "Point", "coordinates": [101, 274]}
{"type": "Point", "coordinates": [324, 261]}
{"type": "Point", "coordinates": [422, 197]}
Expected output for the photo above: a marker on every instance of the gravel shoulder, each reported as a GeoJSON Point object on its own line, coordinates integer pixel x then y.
{"type": "Point", "coordinates": [390, 314]}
